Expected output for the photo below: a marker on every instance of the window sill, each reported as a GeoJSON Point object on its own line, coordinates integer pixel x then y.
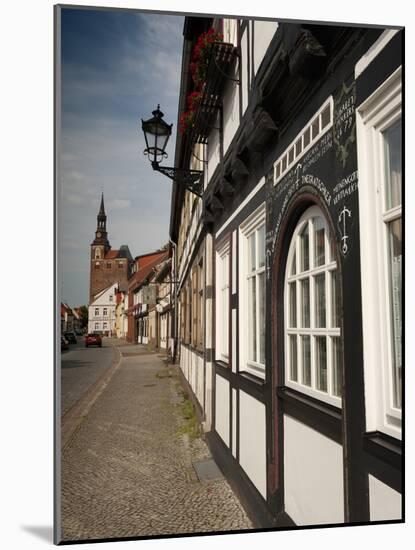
{"type": "Point", "coordinates": [384, 447]}
{"type": "Point", "coordinates": [258, 380]}
{"type": "Point", "coordinates": [318, 415]}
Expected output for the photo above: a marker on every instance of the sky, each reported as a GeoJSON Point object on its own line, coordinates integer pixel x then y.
{"type": "Point", "coordinates": [116, 67]}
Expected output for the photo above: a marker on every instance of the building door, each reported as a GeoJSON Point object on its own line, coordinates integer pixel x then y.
{"type": "Point", "coordinates": [311, 375]}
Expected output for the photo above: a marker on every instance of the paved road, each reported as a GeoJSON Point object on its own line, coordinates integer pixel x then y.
{"type": "Point", "coordinates": [128, 471]}
{"type": "Point", "coordinates": [80, 369]}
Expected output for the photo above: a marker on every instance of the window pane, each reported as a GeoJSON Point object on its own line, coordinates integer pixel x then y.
{"type": "Point", "coordinates": [305, 303]}
{"type": "Point", "coordinates": [320, 294]}
{"type": "Point", "coordinates": [395, 234]}
{"type": "Point", "coordinates": [306, 356]}
{"type": "Point", "coordinates": [293, 358]}
{"type": "Point", "coordinates": [251, 253]}
{"type": "Point", "coordinates": [284, 163]}
{"type": "Point", "coordinates": [304, 248]}
{"type": "Point", "coordinates": [337, 367]}
{"type": "Point", "coordinates": [298, 147]}
{"type": "Point", "coordinates": [325, 117]}
{"type": "Point", "coordinates": [293, 269]}
{"type": "Point", "coordinates": [261, 316]}
{"type": "Point", "coordinates": [261, 246]}
{"type": "Point", "coordinates": [306, 137]}
{"type": "Point", "coordinates": [314, 128]}
{"type": "Point", "coordinates": [278, 170]}
{"type": "Point", "coordinates": [252, 318]}
{"type": "Point", "coordinates": [321, 363]}
{"type": "Point", "coordinates": [291, 155]}
{"type": "Point", "coordinates": [293, 304]}
{"type": "Point", "coordinates": [319, 242]}
{"type": "Point", "coordinates": [335, 314]}
{"type": "Point", "coordinates": [393, 157]}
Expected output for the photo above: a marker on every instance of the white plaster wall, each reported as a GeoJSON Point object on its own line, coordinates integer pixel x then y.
{"type": "Point", "coordinates": [234, 397]}
{"type": "Point", "coordinates": [234, 259]}
{"type": "Point", "coordinates": [200, 380]}
{"type": "Point", "coordinates": [208, 333]}
{"type": "Point", "coordinates": [222, 408]}
{"type": "Point", "coordinates": [192, 367]}
{"type": "Point", "coordinates": [234, 351]}
{"type": "Point", "coordinates": [263, 33]}
{"type": "Point", "coordinates": [230, 112]}
{"type": "Point", "coordinates": [313, 473]}
{"type": "Point", "coordinates": [385, 503]}
{"type": "Point", "coordinates": [213, 150]}
{"type": "Point", "coordinates": [244, 67]}
{"type": "Point", "coordinates": [252, 440]}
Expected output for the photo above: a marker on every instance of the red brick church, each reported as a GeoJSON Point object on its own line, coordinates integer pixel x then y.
{"type": "Point", "coordinates": [107, 266]}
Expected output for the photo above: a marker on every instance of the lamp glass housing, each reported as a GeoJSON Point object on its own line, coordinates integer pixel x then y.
{"type": "Point", "coordinates": [156, 134]}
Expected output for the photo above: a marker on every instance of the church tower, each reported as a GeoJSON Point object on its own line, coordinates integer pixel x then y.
{"type": "Point", "coordinates": [107, 266]}
{"type": "Point", "coordinates": [101, 245]}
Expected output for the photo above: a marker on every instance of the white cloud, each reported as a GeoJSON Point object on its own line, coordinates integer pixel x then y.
{"type": "Point", "coordinates": [118, 204]}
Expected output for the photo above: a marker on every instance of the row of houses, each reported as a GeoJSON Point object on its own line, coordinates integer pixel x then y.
{"type": "Point", "coordinates": [71, 319]}
{"type": "Point", "coordinates": [130, 298]}
{"type": "Point", "coordinates": [287, 266]}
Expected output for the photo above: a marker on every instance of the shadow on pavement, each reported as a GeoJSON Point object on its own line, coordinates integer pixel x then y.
{"type": "Point", "coordinates": [75, 363]}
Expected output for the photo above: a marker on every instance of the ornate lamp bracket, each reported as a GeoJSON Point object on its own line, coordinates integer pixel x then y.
{"type": "Point", "coordinates": [190, 179]}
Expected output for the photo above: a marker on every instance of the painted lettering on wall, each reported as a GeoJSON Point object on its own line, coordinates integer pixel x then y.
{"type": "Point", "coordinates": [346, 187]}
{"type": "Point", "coordinates": [292, 185]}
{"type": "Point", "coordinates": [318, 150]}
{"type": "Point", "coordinates": [344, 123]}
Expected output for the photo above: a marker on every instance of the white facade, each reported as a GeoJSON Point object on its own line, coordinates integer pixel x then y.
{"type": "Point", "coordinates": [298, 399]}
{"type": "Point", "coordinates": [101, 313]}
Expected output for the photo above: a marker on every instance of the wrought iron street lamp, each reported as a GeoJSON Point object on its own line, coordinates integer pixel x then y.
{"type": "Point", "coordinates": [156, 134]}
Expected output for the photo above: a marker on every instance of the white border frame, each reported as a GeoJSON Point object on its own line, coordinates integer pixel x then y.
{"type": "Point", "coordinates": [222, 250]}
{"type": "Point", "coordinates": [246, 228]}
{"type": "Point", "coordinates": [382, 109]}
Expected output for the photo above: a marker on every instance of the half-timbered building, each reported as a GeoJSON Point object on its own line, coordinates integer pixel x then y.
{"type": "Point", "coordinates": [288, 265]}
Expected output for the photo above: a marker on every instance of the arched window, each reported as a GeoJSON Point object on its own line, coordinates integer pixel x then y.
{"type": "Point", "coordinates": [313, 362]}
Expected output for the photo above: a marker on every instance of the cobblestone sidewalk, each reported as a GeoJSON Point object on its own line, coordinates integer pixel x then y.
{"type": "Point", "coordinates": [128, 471]}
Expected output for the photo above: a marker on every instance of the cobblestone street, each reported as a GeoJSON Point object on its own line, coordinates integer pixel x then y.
{"type": "Point", "coordinates": [128, 469]}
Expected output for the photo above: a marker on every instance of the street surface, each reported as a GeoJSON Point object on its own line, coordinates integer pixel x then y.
{"type": "Point", "coordinates": [81, 367]}
{"type": "Point", "coordinates": [129, 468]}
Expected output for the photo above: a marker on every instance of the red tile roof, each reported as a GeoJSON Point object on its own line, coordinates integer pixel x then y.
{"type": "Point", "coordinates": [143, 272]}
{"type": "Point", "coordinates": [111, 254]}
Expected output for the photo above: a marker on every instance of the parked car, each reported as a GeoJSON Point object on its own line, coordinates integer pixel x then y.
{"type": "Point", "coordinates": [93, 339]}
{"type": "Point", "coordinates": [71, 337]}
{"type": "Point", "coordinates": [64, 343]}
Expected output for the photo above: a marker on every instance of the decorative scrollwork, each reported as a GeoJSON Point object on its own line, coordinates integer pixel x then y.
{"type": "Point", "coordinates": [191, 179]}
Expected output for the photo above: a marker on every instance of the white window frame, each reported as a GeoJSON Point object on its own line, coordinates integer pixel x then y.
{"type": "Point", "coordinates": [96, 326]}
{"type": "Point", "coordinates": [105, 312]}
{"type": "Point", "coordinates": [246, 229]}
{"type": "Point", "coordinates": [376, 114]}
{"type": "Point", "coordinates": [223, 289]}
{"type": "Point", "coordinates": [284, 164]}
{"type": "Point", "coordinates": [96, 311]}
{"type": "Point", "coordinates": [328, 332]}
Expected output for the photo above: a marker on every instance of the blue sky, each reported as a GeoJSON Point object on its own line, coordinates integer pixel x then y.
{"type": "Point", "coordinates": [116, 67]}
